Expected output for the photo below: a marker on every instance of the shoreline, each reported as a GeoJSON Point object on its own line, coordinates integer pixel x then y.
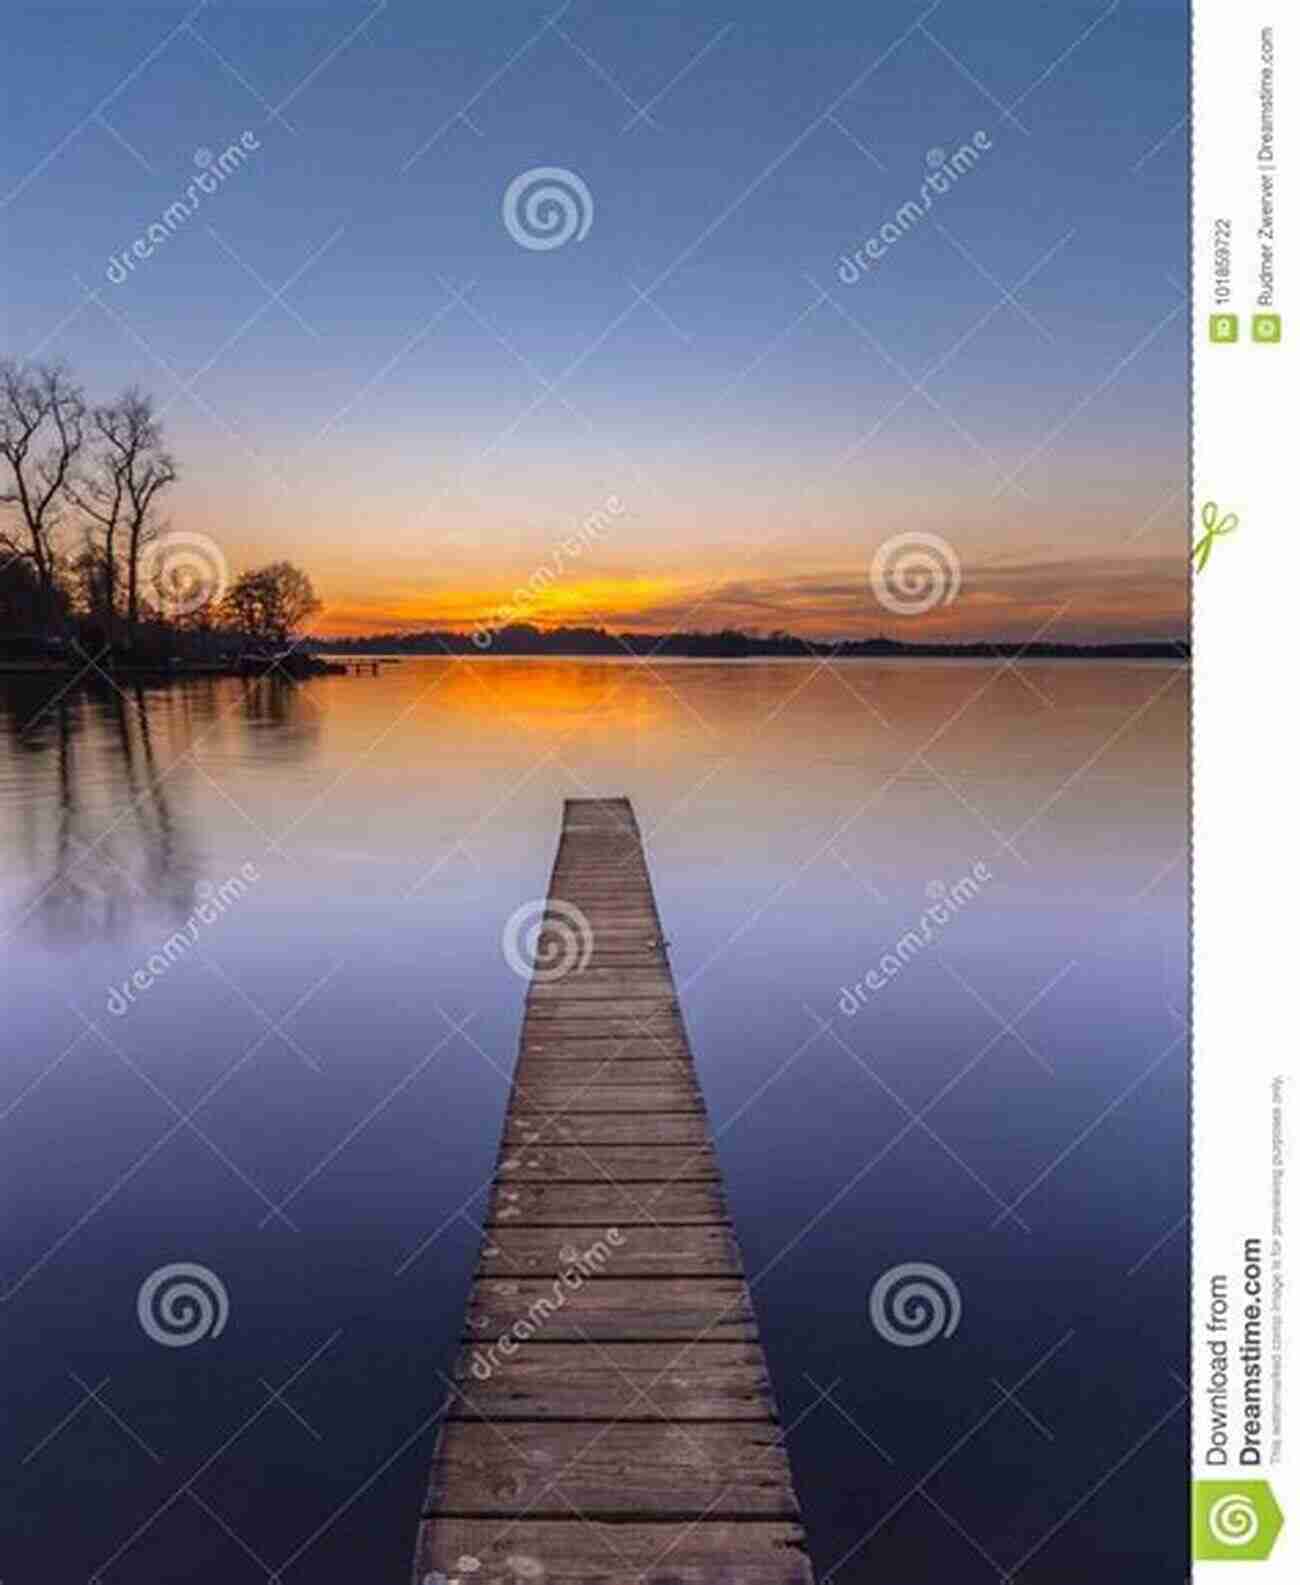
{"type": "Point", "coordinates": [307, 666]}
{"type": "Point", "coordinates": [339, 665]}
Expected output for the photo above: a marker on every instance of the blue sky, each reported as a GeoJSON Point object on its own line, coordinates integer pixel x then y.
{"type": "Point", "coordinates": [427, 407]}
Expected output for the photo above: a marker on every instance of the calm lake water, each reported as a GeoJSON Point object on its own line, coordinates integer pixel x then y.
{"type": "Point", "coordinates": [308, 1100]}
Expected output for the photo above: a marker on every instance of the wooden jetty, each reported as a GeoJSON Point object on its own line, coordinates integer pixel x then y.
{"type": "Point", "coordinates": [610, 1420]}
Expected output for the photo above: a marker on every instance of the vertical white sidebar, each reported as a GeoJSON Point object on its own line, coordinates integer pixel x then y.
{"type": "Point", "coordinates": [1246, 737]}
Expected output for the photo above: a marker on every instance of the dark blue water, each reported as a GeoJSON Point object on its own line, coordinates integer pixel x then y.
{"type": "Point", "coordinates": [306, 1100]}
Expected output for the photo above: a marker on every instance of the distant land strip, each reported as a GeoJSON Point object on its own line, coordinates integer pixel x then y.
{"type": "Point", "coordinates": [728, 644]}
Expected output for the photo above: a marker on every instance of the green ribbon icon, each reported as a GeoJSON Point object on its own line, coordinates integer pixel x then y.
{"type": "Point", "coordinates": [1233, 1521]}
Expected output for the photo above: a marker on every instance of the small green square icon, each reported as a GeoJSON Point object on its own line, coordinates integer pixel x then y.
{"type": "Point", "coordinates": [1223, 327]}
{"type": "Point", "coordinates": [1266, 327]}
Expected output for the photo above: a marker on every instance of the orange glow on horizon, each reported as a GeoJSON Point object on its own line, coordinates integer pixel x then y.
{"type": "Point", "coordinates": [589, 602]}
{"type": "Point", "coordinates": [1084, 605]}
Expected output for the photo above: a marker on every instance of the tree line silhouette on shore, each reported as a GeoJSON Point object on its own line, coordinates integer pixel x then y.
{"type": "Point", "coordinates": [724, 644]}
{"type": "Point", "coordinates": [87, 561]}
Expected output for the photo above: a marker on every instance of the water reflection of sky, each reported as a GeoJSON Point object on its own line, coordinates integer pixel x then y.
{"type": "Point", "coordinates": [300, 1105]}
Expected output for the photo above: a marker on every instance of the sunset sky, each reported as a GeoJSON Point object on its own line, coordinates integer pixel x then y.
{"type": "Point", "coordinates": [362, 370]}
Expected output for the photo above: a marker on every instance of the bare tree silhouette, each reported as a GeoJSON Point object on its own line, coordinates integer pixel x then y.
{"type": "Point", "coordinates": [42, 432]}
{"type": "Point", "coordinates": [119, 492]}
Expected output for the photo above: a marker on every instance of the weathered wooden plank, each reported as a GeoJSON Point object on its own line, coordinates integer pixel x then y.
{"type": "Point", "coordinates": [606, 985]}
{"type": "Point", "coordinates": [544, 1034]}
{"type": "Point", "coordinates": [585, 1021]}
{"type": "Point", "coordinates": [680, 1096]}
{"type": "Point", "coordinates": [606, 1128]}
{"type": "Point", "coordinates": [590, 901]}
{"type": "Point", "coordinates": [635, 931]}
{"type": "Point", "coordinates": [603, 1204]}
{"type": "Point", "coordinates": [573, 1049]}
{"type": "Point", "coordinates": [542, 1073]}
{"type": "Point", "coordinates": [601, 1163]}
{"type": "Point", "coordinates": [652, 1470]}
{"type": "Point", "coordinates": [624, 978]}
{"type": "Point", "coordinates": [615, 958]}
{"type": "Point", "coordinates": [611, 914]}
{"type": "Point", "coordinates": [633, 937]}
{"type": "Point", "coordinates": [631, 896]}
{"type": "Point", "coordinates": [537, 1073]}
{"type": "Point", "coordinates": [613, 1381]}
{"type": "Point", "coordinates": [608, 953]}
{"type": "Point", "coordinates": [594, 1552]}
{"type": "Point", "coordinates": [636, 909]}
{"type": "Point", "coordinates": [611, 1308]}
{"type": "Point", "coordinates": [619, 991]}
{"type": "Point", "coordinates": [626, 950]}
{"type": "Point", "coordinates": [619, 1016]}
{"type": "Point", "coordinates": [559, 1021]}
{"type": "Point", "coordinates": [699, 1250]}
{"type": "Point", "coordinates": [609, 879]}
